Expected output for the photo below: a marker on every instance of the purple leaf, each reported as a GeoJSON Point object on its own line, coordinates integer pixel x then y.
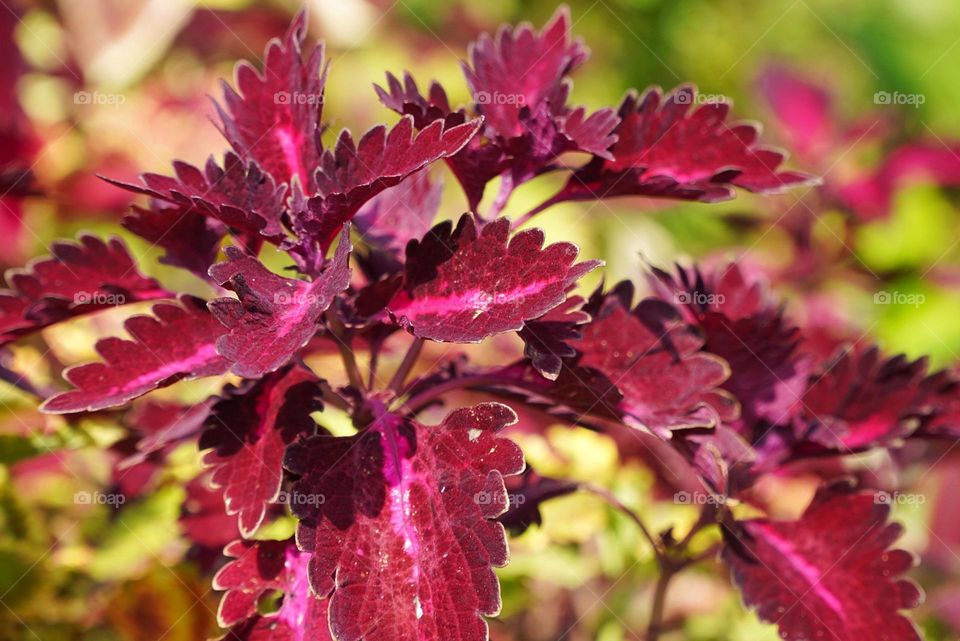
{"type": "Point", "coordinates": [274, 120]}
{"type": "Point", "coordinates": [462, 285]}
{"type": "Point", "coordinates": [520, 69]}
{"type": "Point", "coordinates": [249, 430]}
{"type": "Point", "coordinates": [666, 149]}
{"type": "Point", "coordinates": [860, 399]}
{"type": "Point", "coordinates": [353, 173]}
{"type": "Point", "coordinates": [273, 317]}
{"type": "Point", "coordinates": [656, 361]}
{"type": "Point", "coordinates": [79, 277]}
{"type": "Point", "coordinates": [547, 339]}
{"type": "Point", "coordinates": [190, 239]}
{"type": "Point", "coordinates": [829, 575]}
{"type": "Point", "coordinates": [177, 342]}
{"type": "Point", "coordinates": [238, 194]}
{"type": "Point", "coordinates": [404, 540]}
{"type": "Point", "coordinates": [745, 327]}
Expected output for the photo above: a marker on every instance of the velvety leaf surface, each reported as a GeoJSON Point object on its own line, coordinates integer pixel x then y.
{"type": "Point", "coordinates": [405, 537]}
{"type": "Point", "coordinates": [249, 429]}
{"type": "Point", "coordinates": [656, 361]}
{"type": "Point", "coordinates": [273, 118]}
{"type": "Point", "coordinates": [829, 575]}
{"type": "Point", "coordinates": [78, 277]}
{"type": "Point", "coordinates": [176, 342]}
{"type": "Point", "coordinates": [273, 317]}
{"type": "Point", "coordinates": [464, 284]}
{"type": "Point", "coordinates": [353, 173]}
{"type": "Point", "coordinates": [860, 399]}
{"type": "Point", "coordinates": [259, 568]}
{"type": "Point", "coordinates": [667, 149]}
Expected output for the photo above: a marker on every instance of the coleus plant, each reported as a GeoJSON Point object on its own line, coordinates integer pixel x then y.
{"type": "Point", "coordinates": [401, 522]}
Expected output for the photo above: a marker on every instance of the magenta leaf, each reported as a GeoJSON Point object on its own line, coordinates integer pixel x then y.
{"type": "Point", "coordinates": [274, 120]}
{"type": "Point", "coordinates": [462, 285]}
{"type": "Point", "coordinates": [656, 362]}
{"type": "Point", "coordinates": [259, 568]}
{"type": "Point", "coordinates": [828, 575]}
{"type": "Point", "coordinates": [273, 317]}
{"type": "Point", "coordinates": [77, 278]}
{"type": "Point", "coordinates": [353, 173]}
{"type": "Point", "coordinates": [405, 537]}
{"type": "Point", "coordinates": [249, 429]}
{"type": "Point", "coordinates": [667, 149]}
{"type": "Point", "coordinates": [177, 342]}
{"type": "Point", "coordinates": [803, 109]}
{"type": "Point", "coordinates": [860, 399]}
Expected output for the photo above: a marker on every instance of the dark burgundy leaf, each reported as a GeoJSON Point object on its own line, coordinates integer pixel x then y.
{"type": "Point", "coordinates": [546, 339]}
{"type": "Point", "coordinates": [405, 537]}
{"type": "Point", "coordinates": [526, 492]}
{"type": "Point", "coordinates": [190, 239]}
{"type": "Point", "coordinates": [656, 361]}
{"type": "Point", "coordinates": [240, 195]}
{"type": "Point", "coordinates": [479, 162]}
{"type": "Point", "coordinates": [273, 317]}
{"type": "Point", "coordinates": [164, 425]}
{"type": "Point", "coordinates": [78, 277]}
{"type": "Point", "coordinates": [260, 568]}
{"type": "Point", "coordinates": [177, 342]}
{"type": "Point", "coordinates": [464, 284]}
{"type": "Point", "coordinates": [860, 399]}
{"type": "Point", "coordinates": [353, 173]}
{"type": "Point", "coordinates": [520, 69]}
{"type": "Point", "coordinates": [829, 575]}
{"type": "Point", "coordinates": [742, 325]}
{"type": "Point", "coordinates": [669, 150]}
{"type": "Point", "coordinates": [274, 119]}
{"type": "Point", "coordinates": [249, 430]}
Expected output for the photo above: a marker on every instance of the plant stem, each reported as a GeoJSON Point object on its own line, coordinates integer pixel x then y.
{"type": "Point", "coordinates": [409, 360]}
{"type": "Point", "coordinates": [549, 202]}
{"type": "Point", "coordinates": [610, 498]}
{"type": "Point", "coordinates": [337, 330]}
{"type": "Point", "coordinates": [421, 400]}
{"type": "Point", "coordinates": [659, 601]}
{"type": "Point", "coordinates": [506, 189]}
